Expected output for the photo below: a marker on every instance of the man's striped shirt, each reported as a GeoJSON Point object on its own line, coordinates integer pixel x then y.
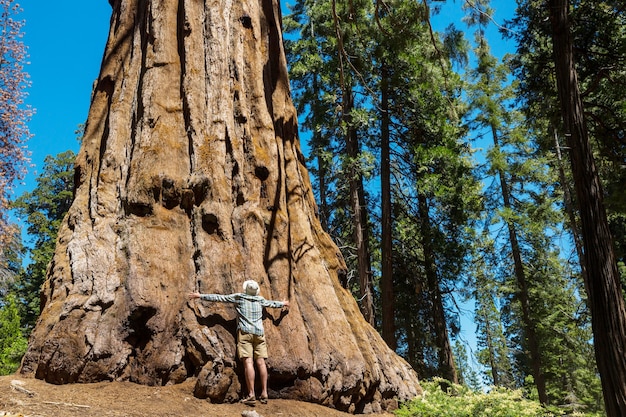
{"type": "Point", "coordinates": [249, 309]}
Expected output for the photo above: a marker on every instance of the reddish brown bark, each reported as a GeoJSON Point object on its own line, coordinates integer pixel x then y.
{"type": "Point", "coordinates": [604, 291]}
{"type": "Point", "coordinates": [386, 279]}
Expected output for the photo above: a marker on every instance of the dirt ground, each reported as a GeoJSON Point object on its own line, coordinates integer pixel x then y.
{"type": "Point", "coordinates": [29, 397]}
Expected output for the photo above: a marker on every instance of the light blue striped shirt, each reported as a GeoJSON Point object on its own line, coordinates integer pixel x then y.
{"type": "Point", "coordinates": [249, 309]}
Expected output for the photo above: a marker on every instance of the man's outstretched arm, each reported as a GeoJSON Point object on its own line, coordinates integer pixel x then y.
{"type": "Point", "coordinates": [275, 304]}
{"type": "Point", "coordinates": [213, 297]}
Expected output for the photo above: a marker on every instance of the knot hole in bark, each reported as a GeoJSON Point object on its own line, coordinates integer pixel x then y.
{"type": "Point", "coordinates": [137, 208]}
{"type": "Point", "coordinates": [187, 200]}
{"type": "Point", "coordinates": [210, 224]}
{"type": "Point", "coordinates": [200, 189]}
{"type": "Point", "coordinates": [170, 194]}
{"type": "Point", "coordinates": [261, 173]}
{"type": "Point", "coordinates": [342, 275]}
{"type": "Point", "coordinates": [78, 179]}
{"type": "Point", "coordinates": [106, 85]}
{"type": "Point", "coordinates": [139, 333]}
{"type": "Point", "coordinates": [238, 112]}
{"type": "Point", "coordinates": [246, 21]}
{"type": "Point", "coordinates": [186, 29]}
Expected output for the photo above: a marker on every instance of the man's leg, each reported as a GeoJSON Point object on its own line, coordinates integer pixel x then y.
{"type": "Point", "coordinates": [248, 368]}
{"type": "Point", "coordinates": [245, 352]}
{"type": "Point", "coordinates": [260, 363]}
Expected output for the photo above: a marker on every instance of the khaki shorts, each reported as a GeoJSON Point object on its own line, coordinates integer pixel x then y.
{"type": "Point", "coordinates": [250, 345]}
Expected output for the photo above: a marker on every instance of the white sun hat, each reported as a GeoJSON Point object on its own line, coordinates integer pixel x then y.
{"type": "Point", "coordinates": [251, 287]}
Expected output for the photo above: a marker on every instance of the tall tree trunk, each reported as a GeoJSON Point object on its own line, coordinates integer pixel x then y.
{"type": "Point", "coordinates": [530, 333]}
{"type": "Point", "coordinates": [568, 204]}
{"type": "Point", "coordinates": [386, 280]}
{"type": "Point", "coordinates": [320, 145]}
{"type": "Point", "coordinates": [355, 180]}
{"type": "Point", "coordinates": [493, 365]}
{"type": "Point", "coordinates": [190, 178]}
{"type": "Point", "coordinates": [322, 173]}
{"type": "Point", "coordinates": [608, 313]}
{"type": "Point", "coordinates": [359, 212]}
{"type": "Point", "coordinates": [447, 368]}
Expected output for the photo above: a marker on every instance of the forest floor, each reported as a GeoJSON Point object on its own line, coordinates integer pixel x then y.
{"type": "Point", "coordinates": [29, 397]}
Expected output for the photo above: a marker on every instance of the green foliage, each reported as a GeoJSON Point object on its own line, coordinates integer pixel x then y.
{"type": "Point", "coordinates": [493, 349]}
{"type": "Point", "coordinates": [10, 262]}
{"type": "Point", "coordinates": [342, 58]}
{"type": "Point", "coordinates": [525, 220]}
{"type": "Point", "coordinates": [12, 341]}
{"type": "Point", "coordinates": [460, 401]}
{"type": "Point", "coordinates": [467, 374]}
{"type": "Point", "coordinates": [599, 39]}
{"type": "Point", "coordinates": [43, 209]}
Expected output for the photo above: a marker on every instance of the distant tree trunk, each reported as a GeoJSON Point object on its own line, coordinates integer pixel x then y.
{"type": "Point", "coordinates": [493, 365]}
{"type": "Point", "coordinates": [359, 212]}
{"type": "Point", "coordinates": [568, 204]}
{"type": "Point", "coordinates": [530, 333]}
{"type": "Point", "coordinates": [355, 181]}
{"type": "Point", "coordinates": [605, 294]}
{"type": "Point", "coordinates": [321, 145]}
{"type": "Point", "coordinates": [488, 318]}
{"type": "Point", "coordinates": [386, 280]}
{"type": "Point", "coordinates": [489, 343]}
{"type": "Point", "coordinates": [447, 368]}
{"type": "Point", "coordinates": [190, 178]}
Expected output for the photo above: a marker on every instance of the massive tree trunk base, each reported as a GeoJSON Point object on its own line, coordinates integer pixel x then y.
{"type": "Point", "coordinates": [190, 178]}
{"type": "Point", "coordinates": [126, 327]}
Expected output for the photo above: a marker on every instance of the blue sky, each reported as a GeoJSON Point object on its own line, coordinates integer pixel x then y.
{"type": "Point", "coordinates": [65, 41]}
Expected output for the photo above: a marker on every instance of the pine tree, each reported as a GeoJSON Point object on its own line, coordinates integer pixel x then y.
{"type": "Point", "coordinates": [489, 102]}
{"type": "Point", "coordinates": [467, 374]}
{"type": "Point", "coordinates": [493, 351]}
{"type": "Point", "coordinates": [600, 43]}
{"type": "Point", "coordinates": [310, 63]}
{"type": "Point", "coordinates": [540, 292]}
{"type": "Point", "coordinates": [415, 134]}
{"type": "Point", "coordinates": [432, 184]}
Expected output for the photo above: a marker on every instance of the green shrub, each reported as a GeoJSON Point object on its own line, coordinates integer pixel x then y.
{"type": "Point", "coordinates": [12, 342]}
{"type": "Point", "coordinates": [460, 401]}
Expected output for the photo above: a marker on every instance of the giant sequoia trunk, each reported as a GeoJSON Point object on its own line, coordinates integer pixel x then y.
{"type": "Point", "coordinates": [190, 178]}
